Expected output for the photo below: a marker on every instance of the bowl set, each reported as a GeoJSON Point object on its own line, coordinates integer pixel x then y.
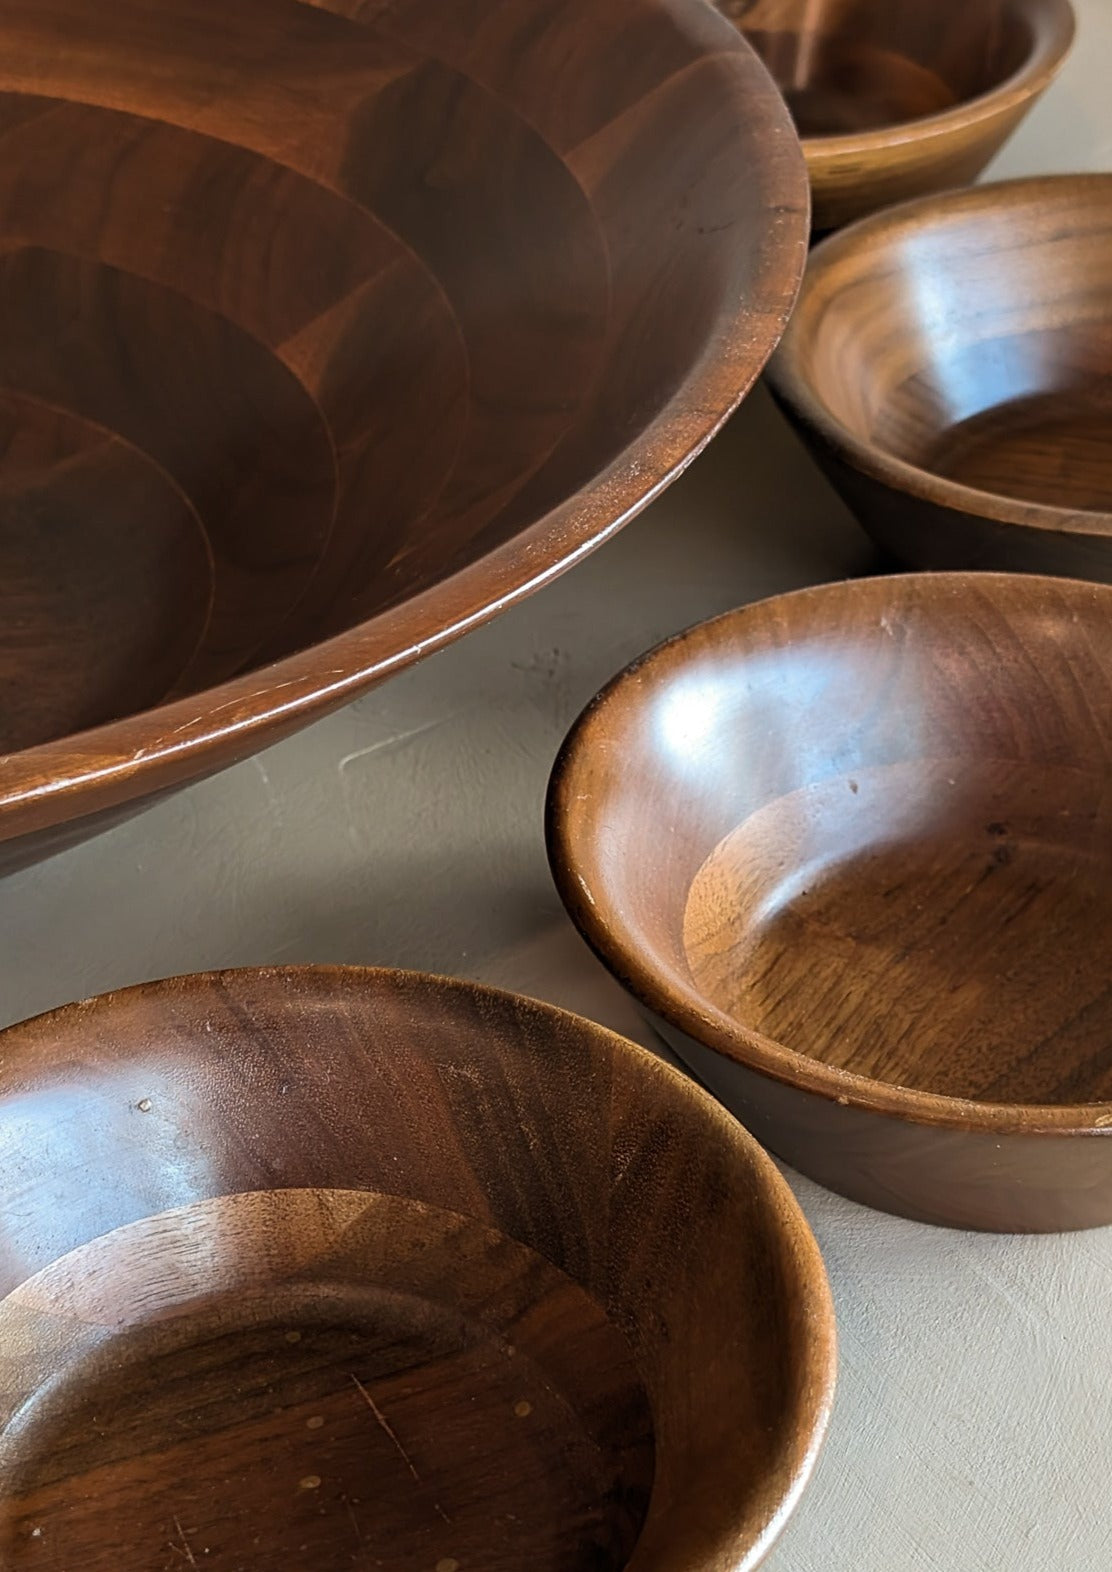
{"type": "Point", "coordinates": [331, 331]}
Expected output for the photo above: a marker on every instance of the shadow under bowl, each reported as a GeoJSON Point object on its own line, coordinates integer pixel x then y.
{"type": "Point", "coordinates": [326, 1267]}
{"type": "Point", "coordinates": [325, 336]}
{"type": "Point", "coordinates": [852, 849]}
{"type": "Point", "coordinates": [894, 98]}
{"type": "Point", "coordinates": [950, 367]}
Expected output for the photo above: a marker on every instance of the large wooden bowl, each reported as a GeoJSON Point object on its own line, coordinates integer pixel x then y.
{"type": "Point", "coordinates": [950, 366]}
{"type": "Point", "coordinates": [895, 98]}
{"type": "Point", "coordinates": [852, 848]}
{"type": "Point", "coordinates": [331, 1269]}
{"type": "Point", "coordinates": [329, 331]}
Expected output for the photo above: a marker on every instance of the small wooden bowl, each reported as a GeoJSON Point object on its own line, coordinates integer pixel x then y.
{"type": "Point", "coordinates": [329, 330]}
{"type": "Point", "coordinates": [334, 1268]}
{"type": "Point", "coordinates": [894, 98]}
{"type": "Point", "coordinates": [852, 848]}
{"type": "Point", "coordinates": [950, 366]}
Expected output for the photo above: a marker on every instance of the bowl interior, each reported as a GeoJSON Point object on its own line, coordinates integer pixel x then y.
{"type": "Point", "coordinates": [334, 1268]}
{"type": "Point", "coordinates": [304, 309]}
{"type": "Point", "coordinates": [850, 66]}
{"type": "Point", "coordinates": [871, 823]}
{"type": "Point", "coordinates": [972, 337]}
{"type": "Point", "coordinates": [314, 1329]}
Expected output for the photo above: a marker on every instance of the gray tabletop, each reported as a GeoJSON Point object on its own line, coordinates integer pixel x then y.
{"type": "Point", "coordinates": [973, 1423]}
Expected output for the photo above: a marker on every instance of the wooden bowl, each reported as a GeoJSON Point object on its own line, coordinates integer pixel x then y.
{"type": "Point", "coordinates": [852, 848]}
{"type": "Point", "coordinates": [334, 1268]}
{"type": "Point", "coordinates": [950, 366]}
{"type": "Point", "coordinates": [328, 331]}
{"type": "Point", "coordinates": [894, 98]}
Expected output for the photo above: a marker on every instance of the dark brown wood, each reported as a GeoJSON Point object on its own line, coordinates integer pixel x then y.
{"type": "Point", "coordinates": [950, 366]}
{"type": "Point", "coordinates": [895, 98]}
{"type": "Point", "coordinates": [335, 1269]}
{"type": "Point", "coordinates": [326, 332]}
{"type": "Point", "coordinates": [852, 847]}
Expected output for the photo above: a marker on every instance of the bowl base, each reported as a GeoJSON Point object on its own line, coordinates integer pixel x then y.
{"type": "Point", "coordinates": [355, 1410]}
{"type": "Point", "coordinates": [848, 86]}
{"type": "Point", "coordinates": [1053, 448]}
{"type": "Point", "coordinates": [941, 929]}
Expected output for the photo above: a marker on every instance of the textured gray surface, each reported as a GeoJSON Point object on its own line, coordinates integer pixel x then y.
{"type": "Point", "coordinates": [973, 1426]}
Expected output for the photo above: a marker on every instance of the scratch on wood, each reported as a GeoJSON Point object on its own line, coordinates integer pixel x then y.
{"type": "Point", "coordinates": [354, 1521]}
{"type": "Point", "coordinates": [381, 1418]}
{"type": "Point", "coordinates": [186, 1548]}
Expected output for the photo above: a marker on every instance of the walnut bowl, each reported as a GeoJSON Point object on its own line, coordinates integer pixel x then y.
{"type": "Point", "coordinates": [337, 1268]}
{"type": "Point", "coordinates": [896, 98]}
{"type": "Point", "coordinates": [950, 368]}
{"type": "Point", "coordinates": [852, 849]}
{"type": "Point", "coordinates": [330, 330]}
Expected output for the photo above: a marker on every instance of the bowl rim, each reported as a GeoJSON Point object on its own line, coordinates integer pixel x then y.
{"type": "Point", "coordinates": [166, 745]}
{"type": "Point", "coordinates": [795, 390]}
{"type": "Point", "coordinates": [677, 1001]}
{"type": "Point", "coordinates": [808, 1410]}
{"type": "Point", "coordinates": [1054, 29]}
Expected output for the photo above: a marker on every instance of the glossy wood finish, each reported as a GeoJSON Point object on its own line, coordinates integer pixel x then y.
{"type": "Point", "coordinates": [895, 98]}
{"type": "Point", "coordinates": [337, 1268]}
{"type": "Point", "coordinates": [852, 847]}
{"type": "Point", "coordinates": [327, 331]}
{"type": "Point", "coordinates": [950, 366]}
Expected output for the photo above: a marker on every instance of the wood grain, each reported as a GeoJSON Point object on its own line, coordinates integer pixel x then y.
{"type": "Point", "coordinates": [344, 1268]}
{"type": "Point", "coordinates": [382, 314]}
{"type": "Point", "coordinates": [893, 98]}
{"type": "Point", "coordinates": [950, 366]}
{"type": "Point", "coordinates": [856, 843]}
